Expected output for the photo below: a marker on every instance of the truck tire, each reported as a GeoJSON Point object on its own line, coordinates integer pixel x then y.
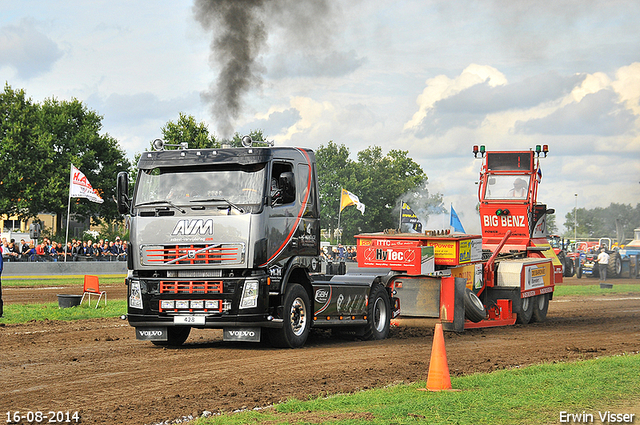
{"type": "Point", "coordinates": [473, 308]}
{"type": "Point", "coordinates": [296, 313]}
{"type": "Point", "coordinates": [540, 308]}
{"type": "Point", "coordinates": [525, 311]}
{"type": "Point", "coordinates": [614, 268]}
{"type": "Point", "coordinates": [378, 314]}
{"type": "Point", "coordinates": [176, 336]}
{"type": "Point", "coordinates": [579, 272]}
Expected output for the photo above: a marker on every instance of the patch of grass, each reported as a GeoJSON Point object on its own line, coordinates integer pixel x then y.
{"type": "Point", "coordinates": [618, 288]}
{"type": "Point", "coordinates": [531, 395]}
{"type": "Point", "coordinates": [21, 313]}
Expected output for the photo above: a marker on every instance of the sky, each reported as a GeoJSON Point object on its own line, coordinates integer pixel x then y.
{"type": "Point", "coordinates": [432, 78]}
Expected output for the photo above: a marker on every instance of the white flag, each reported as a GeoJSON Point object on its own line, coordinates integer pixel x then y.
{"type": "Point", "coordinates": [81, 188]}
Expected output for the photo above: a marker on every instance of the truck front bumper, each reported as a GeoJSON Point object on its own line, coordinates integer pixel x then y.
{"type": "Point", "coordinates": [204, 321]}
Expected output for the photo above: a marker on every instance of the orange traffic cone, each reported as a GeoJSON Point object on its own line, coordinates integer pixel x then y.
{"type": "Point", "coordinates": [438, 378]}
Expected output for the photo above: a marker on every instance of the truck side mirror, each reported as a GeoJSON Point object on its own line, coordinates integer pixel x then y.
{"type": "Point", "coordinates": [288, 187]}
{"type": "Point", "coordinates": [122, 192]}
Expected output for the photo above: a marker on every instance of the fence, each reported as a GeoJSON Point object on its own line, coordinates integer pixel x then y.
{"type": "Point", "coordinates": [51, 269]}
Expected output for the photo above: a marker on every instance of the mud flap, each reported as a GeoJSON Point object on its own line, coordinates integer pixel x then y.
{"type": "Point", "coordinates": [452, 303]}
{"type": "Point", "coordinates": [242, 334]}
{"type": "Point", "coordinates": [152, 333]}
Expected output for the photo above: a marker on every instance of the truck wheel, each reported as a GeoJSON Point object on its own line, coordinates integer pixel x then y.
{"type": "Point", "coordinates": [540, 307]}
{"type": "Point", "coordinates": [378, 314]}
{"type": "Point", "coordinates": [296, 312]}
{"type": "Point", "coordinates": [176, 336]}
{"type": "Point", "coordinates": [525, 312]}
{"type": "Point", "coordinates": [473, 307]}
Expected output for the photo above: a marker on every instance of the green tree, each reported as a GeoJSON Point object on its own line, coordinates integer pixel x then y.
{"type": "Point", "coordinates": [380, 181]}
{"type": "Point", "coordinates": [197, 136]}
{"type": "Point", "coordinates": [335, 171]}
{"type": "Point", "coordinates": [187, 130]}
{"type": "Point", "coordinates": [72, 134]}
{"type": "Point", "coordinates": [24, 156]}
{"type": "Point", "coordinates": [38, 144]}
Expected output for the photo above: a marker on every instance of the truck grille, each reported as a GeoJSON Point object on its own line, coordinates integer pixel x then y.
{"type": "Point", "coordinates": [193, 254]}
{"type": "Point", "coordinates": [190, 287]}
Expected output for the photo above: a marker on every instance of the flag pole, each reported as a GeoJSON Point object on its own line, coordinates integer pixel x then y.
{"type": "Point", "coordinates": [66, 239]}
{"type": "Point", "coordinates": [400, 224]}
{"type": "Point", "coordinates": [339, 212]}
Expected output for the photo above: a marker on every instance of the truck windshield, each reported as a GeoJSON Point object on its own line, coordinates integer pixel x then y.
{"type": "Point", "coordinates": [235, 185]}
{"type": "Point", "coordinates": [507, 187]}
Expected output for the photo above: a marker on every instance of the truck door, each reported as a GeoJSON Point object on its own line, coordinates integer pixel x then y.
{"type": "Point", "coordinates": [282, 213]}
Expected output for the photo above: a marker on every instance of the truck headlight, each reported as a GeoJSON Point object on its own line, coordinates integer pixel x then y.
{"type": "Point", "coordinates": [211, 304]}
{"type": "Point", "coordinates": [135, 295]}
{"type": "Point", "coordinates": [167, 304]}
{"type": "Point", "coordinates": [249, 294]}
{"type": "Point", "coordinates": [182, 304]}
{"type": "Point", "coordinates": [197, 304]}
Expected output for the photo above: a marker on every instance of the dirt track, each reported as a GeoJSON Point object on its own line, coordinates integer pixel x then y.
{"type": "Point", "coordinates": [98, 368]}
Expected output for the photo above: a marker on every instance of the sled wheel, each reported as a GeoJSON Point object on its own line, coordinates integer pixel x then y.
{"type": "Point", "coordinates": [296, 315]}
{"type": "Point", "coordinates": [540, 307]}
{"type": "Point", "coordinates": [473, 308]}
{"type": "Point", "coordinates": [378, 314]}
{"type": "Point", "coordinates": [526, 311]}
{"type": "Point", "coordinates": [176, 336]}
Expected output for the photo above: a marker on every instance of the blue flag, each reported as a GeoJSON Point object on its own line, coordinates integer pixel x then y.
{"type": "Point", "coordinates": [454, 221]}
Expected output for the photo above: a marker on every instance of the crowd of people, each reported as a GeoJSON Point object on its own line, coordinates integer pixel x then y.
{"type": "Point", "coordinates": [338, 253]}
{"type": "Point", "coordinates": [75, 250]}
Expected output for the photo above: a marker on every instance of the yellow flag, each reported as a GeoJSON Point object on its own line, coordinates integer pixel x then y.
{"type": "Point", "coordinates": [347, 198]}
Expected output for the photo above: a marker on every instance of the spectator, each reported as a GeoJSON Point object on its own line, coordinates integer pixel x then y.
{"type": "Point", "coordinates": [4, 249]}
{"type": "Point", "coordinates": [123, 256]}
{"type": "Point", "coordinates": [77, 251]}
{"type": "Point", "coordinates": [96, 251]}
{"type": "Point", "coordinates": [351, 253]}
{"type": "Point", "coordinates": [104, 250]}
{"type": "Point", "coordinates": [13, 254]}
{"type": "Point", "coordinates": [112, 252]}
{"type": "Point", "coordinates": [89, 250]}
{"type": "Point", "coordinates": [68, 251]}
{"type": "Point", "coordinates": [341, 252]}
{"type": "Point", "coordinates": [40, 252]}
{"type": "Point", "coordinates": [31, 253]}
{"type": "Point", "coordinates": [603, 264]}
{"type": "Point", "coordinates": [23, 251]}
{"type": "Point", "coordinates": [53, 252]}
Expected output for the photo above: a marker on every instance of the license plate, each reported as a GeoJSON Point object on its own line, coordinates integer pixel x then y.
{"type": "Point", "coordinates": [188, 320]}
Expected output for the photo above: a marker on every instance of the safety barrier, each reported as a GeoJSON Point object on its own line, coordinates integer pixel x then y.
{"type": "Point", "coordinates": [50, 269]}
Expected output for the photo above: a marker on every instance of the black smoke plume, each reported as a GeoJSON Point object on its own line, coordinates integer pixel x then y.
{"type": "Point", "coordinates": [239, 29]}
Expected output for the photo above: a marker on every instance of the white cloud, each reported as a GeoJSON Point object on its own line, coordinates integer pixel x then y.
{"type": "Point", "coordinates": [442, 87]}
{"type": "Point", "coordinates": [27, 50]}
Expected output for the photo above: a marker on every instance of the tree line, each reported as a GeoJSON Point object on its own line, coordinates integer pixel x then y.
{"type": "Point", "coordinates": [617, 221]}
{"type": "Point", "coordinates": [40, 141]}
{"type": "Point", "coordinates": [38, 144]}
